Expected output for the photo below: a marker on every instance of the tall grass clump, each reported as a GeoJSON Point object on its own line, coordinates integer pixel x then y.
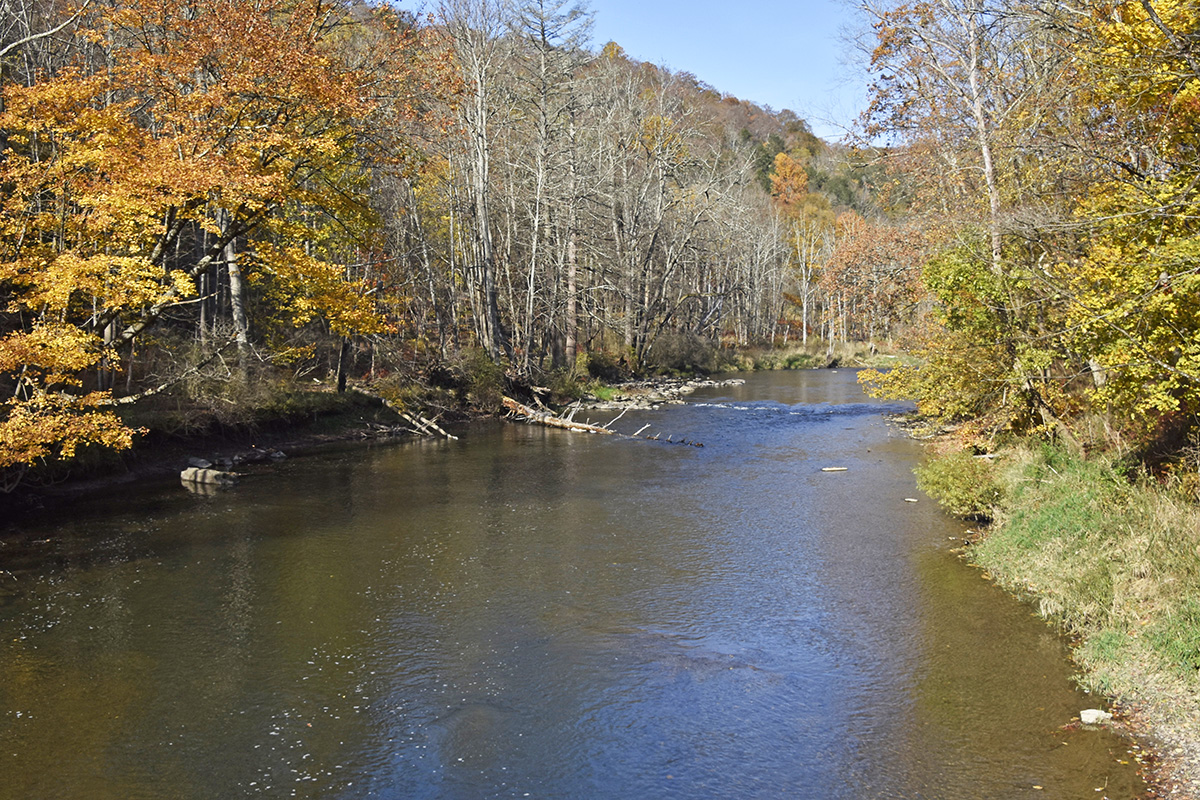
{"type": "Point", "coordinates": [962, 484]}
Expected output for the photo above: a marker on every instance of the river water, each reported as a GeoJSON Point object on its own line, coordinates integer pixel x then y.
{"type": "Point", "coordinates": [529, 612]}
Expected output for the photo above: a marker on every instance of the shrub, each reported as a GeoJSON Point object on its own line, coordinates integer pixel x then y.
{"type": "Point", "coordinates": [964, 485]}
{"type": "Point", "coordinates": [683, 353]}
{"type": "Point", "coordinates": [738, 362]}
{"type": "Point", "coordinates": [565, 387]}
{"type": "Point", "coordinates": [605, 367]}
{"type": "Point", "coordinates": [803, 361]}
{"type": "Point", "coordinates": [482, 381]}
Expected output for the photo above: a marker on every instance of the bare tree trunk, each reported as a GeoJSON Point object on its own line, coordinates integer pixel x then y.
{"type": "Point", "coordinates": [342, 364]}
{"type": "Point", "coordinates": [475, 27]}
{"type": "Point", "coordinates": [975, 34]}
{"type": "Point", "coordinates": [237, 300]}
{"type": "Point", "coordinates": [572, 315]}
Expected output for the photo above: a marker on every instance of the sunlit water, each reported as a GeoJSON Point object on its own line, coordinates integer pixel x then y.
{"type": "Point", "coordinates": [534, 613]}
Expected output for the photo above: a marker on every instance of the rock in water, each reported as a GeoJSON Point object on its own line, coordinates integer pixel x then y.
{"type": "Point", "coordinates": [1094, 716]}
{"type": "Point", "coordinates": [208, 476]}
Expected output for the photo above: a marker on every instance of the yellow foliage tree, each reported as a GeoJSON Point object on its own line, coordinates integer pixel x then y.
{"type": "Point", "coordinates": [210, 123]}
{"type": "Point", "coordinates": [789, 184]}
{"type": "Point", "coordinates": [1135, 289]}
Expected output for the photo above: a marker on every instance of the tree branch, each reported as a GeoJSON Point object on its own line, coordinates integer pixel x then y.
{"type": "Point", "coordinates": [1171, 37]}
{"type": "Point", "coordinates": [33, 37]}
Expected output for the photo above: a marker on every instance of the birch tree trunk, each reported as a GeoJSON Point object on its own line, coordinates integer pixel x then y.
{"type": "Point", "coordinates": [475, 27]}
{"type": "Point", "coordinates": [237, 295]}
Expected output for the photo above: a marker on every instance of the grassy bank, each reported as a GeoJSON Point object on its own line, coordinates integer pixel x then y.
{"type": "Point", "coordinates": [1111, 556]}
{"type": "Point", "coordinates": [812, 356]}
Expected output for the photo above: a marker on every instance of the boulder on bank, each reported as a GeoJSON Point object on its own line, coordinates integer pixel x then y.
{"type": "Point", "coordinates": [1094, 716]}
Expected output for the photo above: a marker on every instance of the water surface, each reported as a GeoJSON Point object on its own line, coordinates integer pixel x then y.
{"type": "Point", "coordinates": [529, 612]}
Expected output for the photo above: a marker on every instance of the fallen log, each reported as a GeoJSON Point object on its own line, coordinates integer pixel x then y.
{"type": "Point", "coordinates": [531, 414]}
{"type": "Point", "coordinates": [425, 426]}
{"type": "Point", "coordinates": [548, 419]}
{"type": "Point", "coordinates": [421, 425]}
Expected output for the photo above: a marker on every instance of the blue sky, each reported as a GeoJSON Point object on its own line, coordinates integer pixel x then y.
{"type": "Point", "coordinates": [781, 54]}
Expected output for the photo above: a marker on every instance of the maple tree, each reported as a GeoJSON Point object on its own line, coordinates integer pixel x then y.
{"type": "Point", "coordinates": [789, 184]}
{"type": "Point", "coordinates": [126, 185]}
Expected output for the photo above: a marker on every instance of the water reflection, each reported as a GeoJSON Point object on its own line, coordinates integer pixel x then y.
{"type": "Point", "coordinates": [528, 611]}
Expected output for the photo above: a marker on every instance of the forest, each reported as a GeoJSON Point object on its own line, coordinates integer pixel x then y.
{"type": "Point", "coordinates": [209, 205]}
{"type": "Point", "coordinates": [1052, 151]}
{"type": "Point", "coordinates": [218, 212]}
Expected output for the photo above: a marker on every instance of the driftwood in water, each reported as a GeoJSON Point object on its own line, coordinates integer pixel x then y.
{"type": "Point", "coordinates": [423, 425]}
{"type": "Point", "coordinates": [546, 418]}
{"type": "Point", "coordinates": [531, 414]}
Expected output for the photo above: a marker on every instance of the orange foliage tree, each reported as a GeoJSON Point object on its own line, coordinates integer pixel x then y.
{"type": "Point", "coordinates": [874, 274]}
{"type": "Point", "coordinates": [207, 126]}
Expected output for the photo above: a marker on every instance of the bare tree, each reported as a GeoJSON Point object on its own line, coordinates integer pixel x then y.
{"type": "Point", "coordinates": [476, 28]}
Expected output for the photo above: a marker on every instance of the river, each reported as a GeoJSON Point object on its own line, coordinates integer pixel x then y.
{"type": "Point", "coordinates": [528, 612]}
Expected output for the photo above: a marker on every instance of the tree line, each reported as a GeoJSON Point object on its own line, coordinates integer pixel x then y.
{"type": "Point", "coordinates": [1051, 152]}
{"type": "Point", "coordinates": [205, 196]}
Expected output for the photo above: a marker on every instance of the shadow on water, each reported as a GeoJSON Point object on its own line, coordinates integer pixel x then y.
{"type": "Point", "coordinates": [529, 612]}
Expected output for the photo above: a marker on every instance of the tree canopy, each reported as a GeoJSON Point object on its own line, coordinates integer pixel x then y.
{"type": "Point", "coordinates": [1057, 147]}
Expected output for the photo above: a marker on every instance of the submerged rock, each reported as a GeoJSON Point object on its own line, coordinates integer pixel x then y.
{"type": "Point", "coordinates": [257, 455]}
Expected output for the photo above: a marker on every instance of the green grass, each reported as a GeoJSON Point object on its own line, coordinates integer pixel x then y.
{"type": "Point", "coordinates": [1114, 561]}
{"type": "Point", "coordinates": [601, 392]}
{"type": "Point", "coordinates": [1176, 636]}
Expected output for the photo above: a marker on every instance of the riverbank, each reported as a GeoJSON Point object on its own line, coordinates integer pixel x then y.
{"type": "Point", "coordinates": [1112, 559]}
{"type": "Point", "coordinates": [325, 418]}
{"type": "Point", "coordinates": [316, 419]}
{"type": "Point", "coordinates": [273, 409]}
{"type": "Point", "coordinates": [647, 394]}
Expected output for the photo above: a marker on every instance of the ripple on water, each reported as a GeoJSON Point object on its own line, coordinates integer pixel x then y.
{"type": "Point", "coordinates": [534, 613]}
